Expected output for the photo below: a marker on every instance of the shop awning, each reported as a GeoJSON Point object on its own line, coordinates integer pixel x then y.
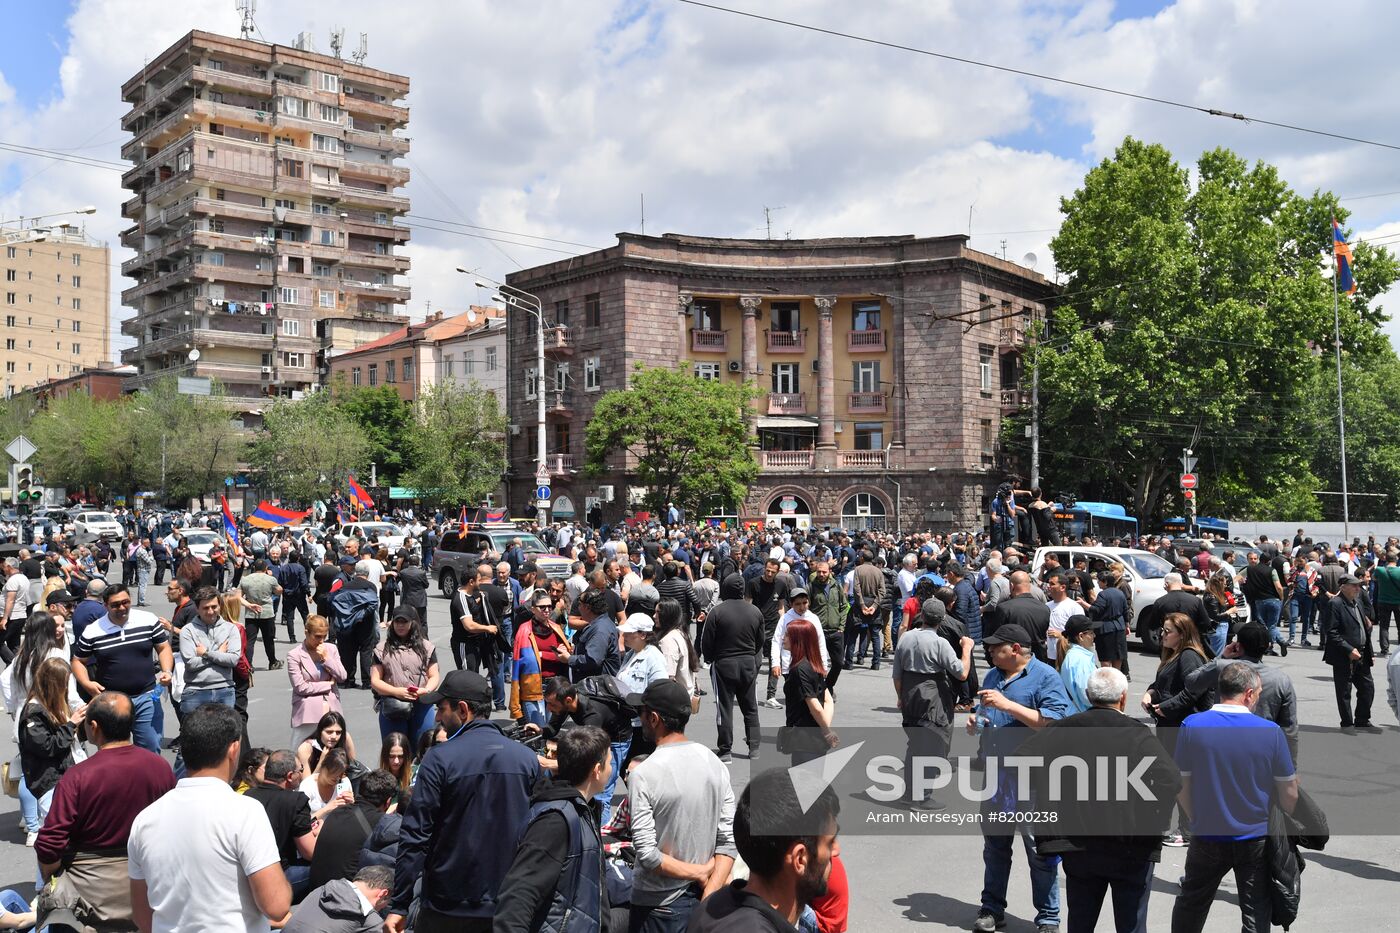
{"type": "Point", "coordinates": [785, 421]}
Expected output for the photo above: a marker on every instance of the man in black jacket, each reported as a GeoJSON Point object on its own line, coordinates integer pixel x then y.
{"type": "Point", "coordinates": [413, 590]}
{"type": "Point", "coordinates": [558, 866]}
{"type": "Point", "coordinates": [1177, 600]}
{"type": "Point", "coordinates": [1022, 609]}
{"type": "Point", "coordinates": [1348, 650]}
{"type": "Point", "coordinates": [731, 643]}
{"type": "Point", "coordinates": [1104, 843]}
{"type": "Point", "coordinates": [475, 786]}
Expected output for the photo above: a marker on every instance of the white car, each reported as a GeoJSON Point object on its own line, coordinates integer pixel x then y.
{"type": "Point", "coordinates": [387, 533]}
{"type": "Point", "coordinates": [1143, 570]}
{"type": "Point", "coordinates": [201, 540]}
{"type": "Point", "coordinates": [102, 524]}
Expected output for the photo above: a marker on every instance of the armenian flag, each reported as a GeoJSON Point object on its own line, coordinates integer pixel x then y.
{"type": "Point", "coordinates": [358, 494]}
{"type": "Point", "coordinates": [462, 519]}
{"type": "Point", "coordinates": [230, 526]}
{"type": "Point", "coordinates": [1341, 250]}
{"type": "Point", "coordinates": [267, 515]}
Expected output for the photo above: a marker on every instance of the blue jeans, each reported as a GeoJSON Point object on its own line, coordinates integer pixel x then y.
{"type": "Point", "coordinates": [1302, 612]}
{"type": "Point", "coordinates": [148, 719]}
{"type": "Point", "coordinates": [420, 721]}
{"type": "Point", "coordinates": [619, 755]}
{"type": "Point", "coordinates": [192, 700]}
{"type": "Point", "coordinates": [534, 711]}
{"type": "Point", "coordinates": [996, 873]}
{"type": "Point", "coordinates": [807, 922]}
{"type": "Point", "coordinates": [1218, 638]}
{"type": "Point", "coordinates": [13, 902]}
{"type": "Point", "coordinates": [672, 918]}
{"type": "Point", "coordinates": [28, 807]}
{"type": "Point", "coordinates": [299, 877]}
{"type": "Point", "coordinates": [1269, 611]}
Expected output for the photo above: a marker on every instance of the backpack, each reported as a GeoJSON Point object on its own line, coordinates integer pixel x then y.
{"type": "Point", "coordinates": [608, 689]}
{"type": "Point", "coordinates": [350, 605]}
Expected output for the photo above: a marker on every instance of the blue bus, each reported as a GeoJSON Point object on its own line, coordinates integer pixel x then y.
{"type": "Point", "coordinates": [1102, 520]}
{"type": "Point", "coordinates": [1219, 527]}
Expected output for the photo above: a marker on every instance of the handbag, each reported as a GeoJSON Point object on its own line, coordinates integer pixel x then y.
{"type": "Point", "coordinates": [9, 773]}
{"type": "Point", "coordinates": [393, 707]}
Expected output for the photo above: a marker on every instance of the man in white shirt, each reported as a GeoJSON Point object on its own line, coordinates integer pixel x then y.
{"type": "Point", "coordinates": [1061, 608]}
{"type": "Point", "coordinates": [800, 601]}
{"type": "Point", "coordinates": [203, 857]}
{"type": "Point", "coordinates": [908, 577]}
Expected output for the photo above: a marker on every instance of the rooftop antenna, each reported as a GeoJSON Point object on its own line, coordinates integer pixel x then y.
{"type": "Point", "coordinates": [305, 42]}
{"type": "Point", "coordinates": [1003, 249]}
{"type": "Point", "coordinates": [363, 51]}
{"type": "Point", "coordinates": [337, 40]}
{"type": "Point", "coordinates": [644, 213]}
{"type": "Point", "coordinates": [246, 9]}
{"type": "Point", "coordinates": [768, 218]}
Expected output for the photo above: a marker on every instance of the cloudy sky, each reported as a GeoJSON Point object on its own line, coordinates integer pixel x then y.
{"type": "Point", "coordinates": [548, 121]}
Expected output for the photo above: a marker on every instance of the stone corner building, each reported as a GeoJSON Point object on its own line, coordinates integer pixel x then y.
{"type": "Point", "coordinates": [885, 365]}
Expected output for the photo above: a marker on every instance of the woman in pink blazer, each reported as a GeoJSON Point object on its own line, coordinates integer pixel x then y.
{"type": "Point", "coordinates": [315, 671]}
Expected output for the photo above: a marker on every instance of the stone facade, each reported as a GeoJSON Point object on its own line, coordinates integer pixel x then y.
{"type": "Point", "coordinates": [884, 366]}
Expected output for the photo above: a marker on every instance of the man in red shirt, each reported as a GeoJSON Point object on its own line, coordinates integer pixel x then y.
{"type": "Point", "coordinates": [93, 808]}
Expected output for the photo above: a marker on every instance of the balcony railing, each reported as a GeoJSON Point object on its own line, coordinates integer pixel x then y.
{"type": "Point", "coordinates": [787, 459]}
{"type": "Point", "coordinates": [708, 341]}
{"type": "Point", "coordinates": [561, 464]}
{"type": "Point", "coordinates": [787, 403]}
{"type": "Point", "coordinates": [865, 402]}
{"type": "Point", "coordinates": [1013, 336]}
{"type": "Point", "coordinates": [1014, 398]}
{"type": "Point", "coordinates": [862, 459]}
{"type": "Point", "coordinates": [787, 341]}
{"type": "Point", "coordinates": [865, 341]}
{"type": "Point", "coordinates": [559, 402]}
{"type": "Point", "coordinates": [556, 341]}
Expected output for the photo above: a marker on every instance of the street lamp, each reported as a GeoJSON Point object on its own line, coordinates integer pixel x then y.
{"type": "Point", "coordinates": [522, 300]}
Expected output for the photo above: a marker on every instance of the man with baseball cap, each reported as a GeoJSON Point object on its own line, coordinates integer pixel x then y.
{"type": "Point", "coordinates": [1080, 661]}
{"type": "Point", "coordinates": [472, 792]}
{"type": "Point", "coordinates": [800, 602]}
{"type": "Point", "coordinates": [682, 806]}
{"type": "Point", "coordinates": [1348, 649]}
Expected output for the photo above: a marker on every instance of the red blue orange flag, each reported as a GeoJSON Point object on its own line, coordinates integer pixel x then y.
{"type": "Point", "coordinates": [359, 495]}
{"type": "Point", "coordinates": [1341, 250]}
{"type": "Point", "coordinates": [230, 526]}
{"type": "Point", "coordinates": [267, 515]}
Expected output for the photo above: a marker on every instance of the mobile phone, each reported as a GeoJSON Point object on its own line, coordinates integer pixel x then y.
{"type": "Point", "coordinates": [413, 690]}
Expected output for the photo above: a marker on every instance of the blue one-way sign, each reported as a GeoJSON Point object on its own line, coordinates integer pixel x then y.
{"type": "Point", "coordinates": [542, 492]}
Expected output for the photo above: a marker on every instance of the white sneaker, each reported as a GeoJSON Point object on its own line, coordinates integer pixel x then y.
{"type": "Point", "coordinates": [773, 703]}
{"type": "Point", "coordinates": [29, 839]}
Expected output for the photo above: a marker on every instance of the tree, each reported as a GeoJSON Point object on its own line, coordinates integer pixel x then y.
{"type": "Point", "coordinates": [188, 443]}
{"type": "Point", "coordinates": [457, 441]}
{"type": "Point", "coordinates": [87, 443]}
{"type": "Point", "coordinates": [1191, 318]}
{"type": "Point", "coordinates": [386, 419]}
{"type": "Point", "coordinates": [688, 437]}
{"type": "Point", "coordinates": [307, 446]}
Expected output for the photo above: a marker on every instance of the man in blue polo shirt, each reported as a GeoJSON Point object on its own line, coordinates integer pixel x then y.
{"type": "Point", "coordinates": [115, 653]}
{"type": "Point", "coordinates": [1234, 766]}
{"type": "Point", "coordinates": [1019, 693]}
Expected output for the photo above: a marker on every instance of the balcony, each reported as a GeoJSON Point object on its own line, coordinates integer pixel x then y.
{"type": "Point", "coordinates": [561, 464]}
{"type": "Point", "coordinates": [1012, 338]}
{"type": "Point", "coordinates": [787, 403]}
{"type": "Point", "coordinates": [556, 342]}
{"type": "Point", "coordinates": [787, 459]}
{"type": "Point", "coordinates": [559, 403]}
{"type": "Point", "coordinates": [787, 341]}
{"type": "Point", "coordinates": [866, 403]}
{"type": "Point", "coordinates": [862, 459]}
{"type": "Point", "coordinates": [1012, 399]}
{"type": "Point", "coordinates": [708, 341]}
{"type": "Point", "coordinates": [865, 341]}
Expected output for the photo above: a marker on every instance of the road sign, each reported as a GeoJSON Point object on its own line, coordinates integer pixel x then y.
{"type": "Point", "coordinates": [542, 493]}
{"type": "Point", "coordinates": [228, 480]}
{"type": "Point", "coordinates": [1189, 495]}
{"type": "Point", "coordinates": [1188, 480]}
{"type": "Point", "coordinates": [1188, 464]}
{"type": "Point", "coordinates": [20, 449]}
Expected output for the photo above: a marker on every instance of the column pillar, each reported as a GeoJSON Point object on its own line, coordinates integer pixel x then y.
{"type": "Point", "coordinates": [826, 382]}
{"type": "Point", "coordinates": [895, 312]}
{"type": "Point", "coordinates": [750, 305]}
{"type": "Point", "coordinates": [683, 304]}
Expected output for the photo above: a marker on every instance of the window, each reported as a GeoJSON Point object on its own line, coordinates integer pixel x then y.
{"type": "Point", "coordinates": [468, 363]}
{"type": "Point", "coordinates": [707, 316]}
{"type": "Point", "coordinates": [294, 360]}
{"type": "Point", "coordinates": [530, 382]}
{"type": "Point", "coordinates": [561, 438]}
{"type": "Point", "coordinates": [77, 306]}
{"type": "Point", "coordinates": [984, 368]}
{"type": "Point", "coordinates": [77, 259]}
{"type": "Point", "coordinates": [561, 313]}
{"type": "Point", "coordinates": [214, 65]}
{"type": "Point", "coordinates": [389, 374]}
{"type": "Point", "coordinates": [330, 114]}
{"type": "Point", "coordinates": [381, 249]}
{"type": "Point", "coordinates": [869, 435]}
{"type": "Point", "coordinates": [355, 375]}
{"type": "Point", "coordinates": [374, 374]}
{"type": "Point", "coordinates": [785, 316]}
{"type": "Point", "coordinates": [865, 315]}
{"type": "Point", "coordinates": [10, 252]}
{"type": "Point", "coordinates": [490, 359]}
{"type": "Point", "coordinates": [294, 106]}
{"type": "Point", "coordinates": [9, 320]}
{"type": "Point", "coordinates": [9, 367]}
{"type": "Point", "coordinates": [321, 270]}
{"type": "Point", "coordinates": [330, 82]}
{"type": "Point", "coordinates": [183, 161]}
{"type": "Point", "coordinates": [408, 369]}
{"type": "Point", "coordinates": [325, 299]}
{"type": "Point", "coordinates": [10, 275]}
{"type": "Point", "coordinates": [9, 300]}
{"type": "Point", "coordinates": [327, 237]}
{"type": "Point", "coordinates": [380, 217]}
{"type": "Point", "coordinates": [325, 174]}
{"type": "Point", "coordinates": [593, 310]}
{"type": "Point", "coordinates": [865, 376]}
{"type": "Point", "coordinates": [864, 512]}
{"type": "Point", "coordinates": [213, 259]}
{"type": "Point", "coordinates": [561, 377]}
{"type": "Point", "coordinates": [288, 296]}
{"type": "Point", "coordinates": [289, 168]}
{"type": "Point", "coordinates": [591, 381]}
{"type": "Point", "coordinates": [988, 437]}
{"type": "Point", "coordinates": [10, 344]}
{"type": "Point", "coordinates": [785, 379]}
{"type": "Point", "coordinates": [319, 208]}
{"type": "Point", "coordinates": [286, 204]}
{"type": "Point", "coordinates": [707, 371]}
{"type": "Point", "coordinates": [77, 325]}
{"type": "Point", "coordinates": [325, 143]}
{"type": "Point", "coordinates": [216, 225]}
{"type": "Point", "coordinates": [291, 328]}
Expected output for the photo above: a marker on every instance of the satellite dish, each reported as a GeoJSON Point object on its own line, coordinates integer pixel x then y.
{"type": "Point", "coordinates": [194, 356]}
{"type": "Point", "coordinates": [1029, 260]}
{"type": "Point", "coordinates": [471, 316]}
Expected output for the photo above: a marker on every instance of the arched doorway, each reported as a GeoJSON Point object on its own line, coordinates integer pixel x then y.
{"type": "Point", "coordinates": [789, 510]}
{"type": "Point", "coordinates": [863, 511]}
{"type": "Point", "coordinates": [563, 507]}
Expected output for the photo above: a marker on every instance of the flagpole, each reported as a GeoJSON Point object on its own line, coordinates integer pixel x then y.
{"type": "Point", "coordinates": [1341, 411]}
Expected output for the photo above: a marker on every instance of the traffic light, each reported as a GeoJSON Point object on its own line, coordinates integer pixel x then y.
{"type": "Point", "coordinates": [24, 487]}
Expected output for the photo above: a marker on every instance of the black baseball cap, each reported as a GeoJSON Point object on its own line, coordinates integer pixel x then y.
{"type": "Point", "coordinates": [1007, 635]}
{"type": "Point", "coordinates": [1078, 625]}
{"type": "Point", "coordinates": [60, 595]}
{"type": "Point", "coordinates": [662, 696]}
{"type": "Point", "coordinates": [459, 685]}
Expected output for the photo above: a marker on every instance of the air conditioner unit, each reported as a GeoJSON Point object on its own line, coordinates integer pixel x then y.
{"type": "Point", "coordinates": [735, 366]}
{"type": "Point", "coordinates": [267, 370]}
{"type": "Point", "coordinates": [349, 147]}
{"type": "Point", "coordinates": [515, 430]}
{"type": "Point", "coordinates": [347, 89]}
{"type": "Point", "coordinates": [816, 365]}
{"type": "Point", "coordinates": [606, 493]}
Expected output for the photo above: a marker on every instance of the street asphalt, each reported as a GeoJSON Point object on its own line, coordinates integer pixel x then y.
{"type": "Point", "coordinates": [929, 882]}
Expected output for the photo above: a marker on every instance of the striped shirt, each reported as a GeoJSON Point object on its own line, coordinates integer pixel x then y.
{"type": "Point", "coordinates": [124, 656]}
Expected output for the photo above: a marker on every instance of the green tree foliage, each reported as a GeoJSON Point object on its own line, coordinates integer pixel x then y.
{"type": "Point", "coordinates": [1192, 317]}
{"type": "Point", "coordinates": [86, 443]}
{"type": "Point", "coordinates": [457, 440]}
{"type": "Point", "coordinates": [685, 439]}
{"type": "Point", "coordinates": [195, 435]}
{"type": "Point", "coordinates": [386, 419]}
{"type": "Point", "coordinates": [307, 446]}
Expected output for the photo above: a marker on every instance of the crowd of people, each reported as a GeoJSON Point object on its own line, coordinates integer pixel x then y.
{"type": "Point", "coordinates": [544, 780]}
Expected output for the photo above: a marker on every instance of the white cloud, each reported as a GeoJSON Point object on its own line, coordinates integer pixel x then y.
{"type": "Point", "coordinates": [552, 118]}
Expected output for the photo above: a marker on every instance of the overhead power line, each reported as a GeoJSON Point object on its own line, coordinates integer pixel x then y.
{"type": "Point", "coordinates": [1054, 79]}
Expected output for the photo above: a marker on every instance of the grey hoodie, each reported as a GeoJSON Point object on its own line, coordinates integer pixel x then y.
{"type": "Point", "coordinates": [334, 907]}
